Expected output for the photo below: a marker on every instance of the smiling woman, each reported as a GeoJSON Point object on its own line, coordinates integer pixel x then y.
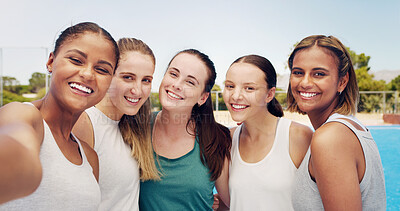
{"type": "Point", "coordinates": [342, 170]}
{"type": "Point", "coordinates": [82, 65]}
{"type": "Point", "coordinates": [188, 143]}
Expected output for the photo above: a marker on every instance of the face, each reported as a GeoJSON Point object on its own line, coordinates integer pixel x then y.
{"type": "Point", "coordinates": [183, 84]}
{"type": "Point", "coordinates": [315, 80]}
{"type": "Point", "coordinates": [246, 94]}
{"type": "Point", "coordinates": [131, 85]}
{"type": "Point", "coordinates": [81, 71]}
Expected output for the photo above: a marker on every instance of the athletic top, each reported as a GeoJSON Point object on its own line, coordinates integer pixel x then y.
{"type": "Point", "coordinates": [305, 194]}
{"type": "Point", "coordinates": [265, 185]}
{"type": "Point", "coordinates": [185, 184]}
{"type": "Point", "coordinates": [118, 170]}
{"type": "Point", "coordinates": [64, 185]}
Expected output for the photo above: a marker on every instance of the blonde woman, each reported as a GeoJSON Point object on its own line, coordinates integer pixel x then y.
{"type": "Point", "coordinates": [118, 128]}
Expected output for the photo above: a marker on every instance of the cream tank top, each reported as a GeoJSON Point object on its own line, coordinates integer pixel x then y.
{"type": "Point", "coordinates": [267, 184]}
{"type": "Point", "coordinates": [64, 185]}
{"type": "Point", "coordinates": [119, 176]}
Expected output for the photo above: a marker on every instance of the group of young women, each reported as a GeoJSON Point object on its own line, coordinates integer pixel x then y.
{"type": "Point", "coordinates": [92, 142]}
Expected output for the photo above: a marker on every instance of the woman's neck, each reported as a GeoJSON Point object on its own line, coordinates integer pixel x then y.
{"type": "Point", "coordinates": [107, 107]}
{"type": "Point", "coordinates": [57, 118]}
{"type": "Point", "coordinates": [173, 122]}
{"type": "Point", "coordinates": [262, 125]}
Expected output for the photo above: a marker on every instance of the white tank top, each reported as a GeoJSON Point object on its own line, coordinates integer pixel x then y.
{"type": "Point", "coordinates": [265, 185]}
{"type": "Point", "coordinates": [373, 196]}
{"type": "Point", "coordinates": [64, 185]}
{"type": "Point", "coordinates": [119, 176]}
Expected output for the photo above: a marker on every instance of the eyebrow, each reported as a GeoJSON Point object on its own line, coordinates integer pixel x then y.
{"type": "Point", "coordinates": [85, 56]}
{"type": "Point", "coordinates": [316, 68]}
{"type": "Point", "coordinates": [189, 76]}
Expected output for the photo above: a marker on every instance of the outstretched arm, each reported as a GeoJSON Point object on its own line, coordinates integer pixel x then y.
{"type": "Point", "coordinates": [20, 168]}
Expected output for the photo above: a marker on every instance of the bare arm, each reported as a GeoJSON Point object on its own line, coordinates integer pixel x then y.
{"type": "Point", "coordinates": [334, 153]}
{"type": "Point", "coordinates": [83, 129]}
{"type": "Point", "coordinates": [21, 136]}
{"type": "Point", "coordinates": [222, 184]}
{"type": "Point", "coordinates": [91, 155]}
{"type": "Point", "coordinates": [299, 141]}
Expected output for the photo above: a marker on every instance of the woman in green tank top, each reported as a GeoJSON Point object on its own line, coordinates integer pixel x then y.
{"type": "Point", "coordinates": [191, 148]}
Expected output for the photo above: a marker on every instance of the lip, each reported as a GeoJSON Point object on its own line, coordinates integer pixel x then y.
{"type": "Point", "coordinates": [173, 95]}
{"type": "Point", "coordinates": [238, 107]}
{"type": "Point", "coordinates": [130, 100]}
{"type": "Point", "coordinates": [80, 88]}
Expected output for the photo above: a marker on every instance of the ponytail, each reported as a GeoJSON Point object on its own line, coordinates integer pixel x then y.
{"type": "Point", "coordinates": [275, 108]}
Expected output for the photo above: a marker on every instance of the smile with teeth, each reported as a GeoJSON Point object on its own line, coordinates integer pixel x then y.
{"type": "Point", "coordinates": [237, 106]}
{"type": "Point", "coordinates": [81, 88]}
{"type": "Point", "coordinates": [173, 95]}
{"type": "Point", "coordinates": [308, 94]}
{"type": "Point", "coordinates": [133, 100]}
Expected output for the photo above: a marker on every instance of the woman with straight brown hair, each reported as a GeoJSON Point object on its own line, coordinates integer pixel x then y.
{"type": "Point", "coordinates": [342, 170]}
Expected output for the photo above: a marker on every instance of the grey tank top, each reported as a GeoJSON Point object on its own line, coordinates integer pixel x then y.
{"type": "Point", "coordinates": [305, 195]}
{"type": "Point", "coordinates": [64, 185]}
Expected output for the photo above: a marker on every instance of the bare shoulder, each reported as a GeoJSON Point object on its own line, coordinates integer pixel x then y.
{"type": "Point", "coordinates": [335, 138]}
{"type": "Point", "coordinates": [17, 111]}
{"type": "Point", "coordinates": [299, 140]}
{"type": "Point", "coordinates": [232, 130]}
{"type": "Point", "coordinates": [20, 113]}
{"type": "Point", "coordinates": [300, 133]}
{"type": "Point", "coordinates": [83, 129]}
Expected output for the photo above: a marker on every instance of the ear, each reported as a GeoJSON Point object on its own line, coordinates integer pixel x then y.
{"type": "Point", "coordinates": [270, 95]}
{"type": "Point", "coordinates": [49, 63]}
{"type": "Point", "coordinates": [343, 82]}
{"type": "Point", "coordinates": [203, 98]}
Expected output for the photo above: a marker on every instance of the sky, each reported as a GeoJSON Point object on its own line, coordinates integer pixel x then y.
{"type": "Point", "coordinates": [224, 30]}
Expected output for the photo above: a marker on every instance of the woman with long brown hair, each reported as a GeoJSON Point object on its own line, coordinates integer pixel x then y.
{"type": "Point", "coordinates": [191, 148]}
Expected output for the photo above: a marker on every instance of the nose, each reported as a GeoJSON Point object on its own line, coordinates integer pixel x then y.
{"type": "Point", "coordinates": [136, 88]}
{"type": "Point", "coordinates": [306, 81]}
{"type": "Point", "coordinates": [177, 84]}
{"type": "Point", "coordinates": [87, 72]}
{"type": "Point", "coordinates": [236, 94]}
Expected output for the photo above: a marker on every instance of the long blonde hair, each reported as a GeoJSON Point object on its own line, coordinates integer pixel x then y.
{"type": "Point", "coordinates": [136, 129]}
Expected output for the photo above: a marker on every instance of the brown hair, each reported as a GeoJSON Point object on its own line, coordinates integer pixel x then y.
{"type": "Point", "coordinates": [270, 77]}
{"type": "Point", "coordinates": [348, 99]}
{"type": "Point", "coordinates": [135, 129]}
{"type": "Point", "coordinates": [214, 139]}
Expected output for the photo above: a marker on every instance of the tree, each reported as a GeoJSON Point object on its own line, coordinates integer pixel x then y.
{"type": "Point", "coordinates": [221, 103]}
{"type": "Point", "coordinates": [10, 84]}
{"type": "Point", "coordinates": [155, 101]}
{"type": "Point", "coordinates": [37, 81]}
{"type": "Point", "coordinates": [394, 84]}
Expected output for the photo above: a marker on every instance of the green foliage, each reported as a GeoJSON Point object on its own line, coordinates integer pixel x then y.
{"type": "Point", "coordinates": [9, 97]}
{"type": "Point", "coordinates": [394, 84]}
{"type": "Point", "coordinates": [366, 82]}
{"type": "Point", "coordinates": [37, 81]}
{"type": "Point", "coordinates": [41, 93]}
{"type": "Point", "coordinates": [221, 103]}
{"type": "Point", "coordinates": [282, 98]}
{"type": "Point", "coordinates": [155, 101]}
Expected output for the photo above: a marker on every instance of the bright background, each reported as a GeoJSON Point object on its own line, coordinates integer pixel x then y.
{"type": "Point", "coordinates": [225, 30]}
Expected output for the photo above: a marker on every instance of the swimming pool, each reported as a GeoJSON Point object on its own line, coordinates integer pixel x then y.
{"type": "Point", "coordinates": [388, 140]}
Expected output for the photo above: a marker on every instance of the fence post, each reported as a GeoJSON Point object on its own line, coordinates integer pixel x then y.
{"type": "Point", "coordinates": [396, 93]}
{"type": "Point", "coordinates": [216, 99]}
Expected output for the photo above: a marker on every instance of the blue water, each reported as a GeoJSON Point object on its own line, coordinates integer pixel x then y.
{"type": "Point", "coordinates": [388, 140]}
